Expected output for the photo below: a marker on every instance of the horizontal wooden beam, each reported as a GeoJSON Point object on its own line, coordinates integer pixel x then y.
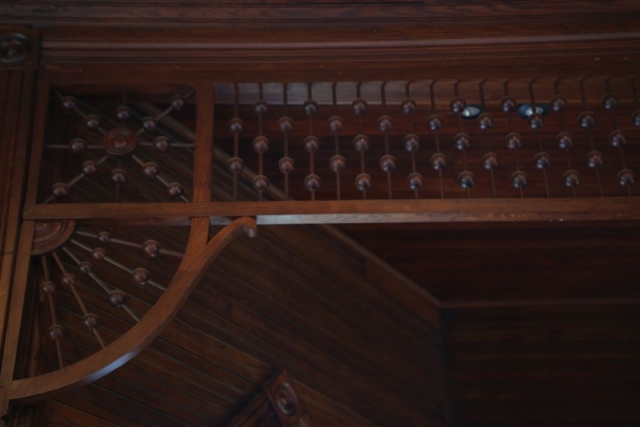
{"type": "Point", "coordinates": [361, 211]}
{"type": "Point", "coordinates": [210, 13]}
{"type": "Point", "coordinates": [531, 302]}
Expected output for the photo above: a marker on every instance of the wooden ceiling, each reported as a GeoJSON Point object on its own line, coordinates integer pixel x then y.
{"type": "Point", "coordinates": [552, 365]}
{"type": "Point", "coordinates": [343, 339]}
{"type": "Point", "coordinates": [529, 324]}
{"type": "Point", "coordinates": [499, 264]}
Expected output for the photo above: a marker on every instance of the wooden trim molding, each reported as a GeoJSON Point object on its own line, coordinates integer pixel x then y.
{"type": "Point", "coordinates": [506, 50]}
{"type": "Point", "coordinates": [286, 12]}
{"type": "Point", "coordinates": [360, 211]}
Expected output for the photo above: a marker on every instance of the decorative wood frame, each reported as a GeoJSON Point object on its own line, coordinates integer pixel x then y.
{"type": "Point", "coordinates": [199, 254]}
{"type": "Point", "coordinates": [199, 214]}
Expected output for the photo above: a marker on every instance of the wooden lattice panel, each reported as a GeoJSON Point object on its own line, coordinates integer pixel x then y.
{"type": "Point", "coordinates": [405, 140]}
{"type": "Point", "coordinates": [101, 146]}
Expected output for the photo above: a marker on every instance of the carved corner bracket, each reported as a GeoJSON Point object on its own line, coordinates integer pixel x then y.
{"type": "Point", "coordinates": [199, 255]}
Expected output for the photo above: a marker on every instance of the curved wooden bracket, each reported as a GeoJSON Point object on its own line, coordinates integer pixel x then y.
{"type": "Point", "coordinates": [197, 258]}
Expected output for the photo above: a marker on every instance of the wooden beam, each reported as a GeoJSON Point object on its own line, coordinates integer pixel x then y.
{"type": "Point", "coordinates": [37, 144]}
{"type": "Point", "coordinates": [173, 13]}
{"type": "Point", "coordinates": [362, 211]}
{"type": "Point", "coordinates": [15, 313]}
{"type": "Point", "coordinates": [204, 144]}
{"type": "Point", "coordinates": [532, 302]}
{"type": "Point", "coordinates": [16, 104]}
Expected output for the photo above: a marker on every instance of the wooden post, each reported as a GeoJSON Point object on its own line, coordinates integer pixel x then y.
{"type": "Point", "coordinates": [202, 175]}
{"type": "Point", "coordinates": [17, 77]}
{"type": "Point", "coordinates": [14, 318]}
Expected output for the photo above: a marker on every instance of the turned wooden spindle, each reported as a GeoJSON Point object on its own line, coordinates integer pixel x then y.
{"type": "Point", "coordinates": [617, 137]}
{"type": "Point", "coordinates": [411, 141]}
{"type": "Point", "coordinates": [542, 159]}
{"type": "Point", "coordinates": [513, 140]}
{"type": "Point", "coordinates": [311, 144]}
{"type": "Point", "coordinates": [485, 122]}
{"type": "Point", "coordinates": [337, 163]}
{"type": "Point", "coordinates": [361, 143]}
{"type": "Point", "coordinates": [587, 120]}
{"type": "Point", "coordinates": [435, 122]}
{"type": "Point", "coordinates": [466, 178]}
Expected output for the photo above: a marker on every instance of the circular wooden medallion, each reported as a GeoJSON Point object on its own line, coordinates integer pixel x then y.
{"type": "Point", "coordinates": [50, 235]}
{"type": "Point", "coordinates": [286, 399]}
{"type": "Point", "coordinates": [119, 141]}
{"type": "Point", "coordinates": [14, 48]}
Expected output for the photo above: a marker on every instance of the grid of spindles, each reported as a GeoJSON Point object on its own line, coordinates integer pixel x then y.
{"type": "Point", "coordinates": [408, 133]}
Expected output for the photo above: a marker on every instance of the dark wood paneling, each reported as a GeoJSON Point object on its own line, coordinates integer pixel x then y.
{"type": "Point", "coordinates": [493, 262]}
{"type": "Point", "coordinates": [551, 366]}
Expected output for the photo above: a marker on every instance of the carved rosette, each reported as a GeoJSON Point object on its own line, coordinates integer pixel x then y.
{"type": "Point", "coordinates": [286, 402]}
{"type": "Point", "coordinates": [285, 399]}
{"type": "Point", "coordinates": [50, 235]}
{"type": "Point", "coordinates": [119, 141]}
{"type": "Point", "coordinates": [14, 48]}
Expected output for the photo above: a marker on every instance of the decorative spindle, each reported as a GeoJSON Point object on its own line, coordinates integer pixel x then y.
{"type": "Point", "coordinates": [56, 331]}
{"type": "Point", "coordinates": [119, 177]}
{"type": "Point", "coordinates": [564, 139]}
{"type": "Point", "coordinates": [286, 164]}
{"type": "Point", "coordinates": [236, 126]}
{"type": "Point", "coordinates": [411, 141]}
{"type": "Point", "coordinates": [513, 140]}
{"type": "Point", "coordinates": [91, 320]}
{"type": "Point", "coordinates": [435, 122]}
{"type": "Point", "coordinates": [139, 277]}
{"type": "Point", "coordinates": [150, 248]}
{"type": "Point", "coordinates": [587, 120]}
{"type": "Point", "coordinates": [91, 121]}
{"type": "Point", "coordinates": [617, 138]}
{"type": "Point", "coordinates": [385, 124]}
{"type": "Point", "coordinates": [311, 143]}
{"type": "Point", "coordinates": [485, 122]}
{"type": "Point", "coordinates": [462, 140]}
{"type": "Point", "coordinates": [542, 159]}
{"type": "Point", "coordinates": [337, 163]}
{"type": "Point", "coordinates": [260, 145]}
{"type": "Point", "coordinates": [123, 112]}
{"type": "Point", "coordinates": [150, 124]}
{"type": "Point", "coordinates": [361, 143]}
{"type": "Point", "coordinates": [60, 190]}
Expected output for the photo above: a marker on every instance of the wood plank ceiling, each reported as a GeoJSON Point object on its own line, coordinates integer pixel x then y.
{"type": "Point", "coordinates": [358, 358]}
{"type": "Point", "coordinates": [538, 322]}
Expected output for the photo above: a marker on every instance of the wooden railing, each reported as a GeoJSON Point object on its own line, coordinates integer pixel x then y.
{"type": "Point", "coordinates": [345, 151]}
